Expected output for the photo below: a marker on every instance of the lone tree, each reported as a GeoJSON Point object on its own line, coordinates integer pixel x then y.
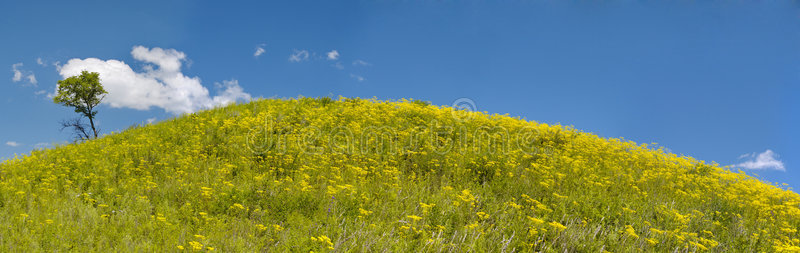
{"type": "Point", "coordinates": [84, 93]}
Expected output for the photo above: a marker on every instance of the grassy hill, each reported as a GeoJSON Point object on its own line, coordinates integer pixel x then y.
{"type": "Point", "coordinates": [364, 175]}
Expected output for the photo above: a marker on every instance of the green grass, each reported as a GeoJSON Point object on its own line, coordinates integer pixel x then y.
{"type": "Point", "coordinates": [323, 174]}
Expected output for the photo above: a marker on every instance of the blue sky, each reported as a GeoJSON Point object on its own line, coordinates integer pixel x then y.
{"type": "Point", "coordinates": [716, 81]}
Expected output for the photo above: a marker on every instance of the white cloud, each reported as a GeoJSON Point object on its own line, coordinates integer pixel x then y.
{"type": "Point", "coordinates": [260, 50]}
{"type": "Point", "coordinates": [338, 65]}
{"type": "Point", "coordinates": [357, 77]}
{"type": "Point", "coordinates": [13, 143]}
{"type": "Point", "coordinates": [19, 74]}
{"type": "Point", "coordinates": [151, 120]}
{"type": "Point", "coordinates": [767, 160]}
{"type": "Point", "coordinates": [229, 92]}
{"type": "Point", "coordinates": [298, 56]}
{"type": "Point", "coordinates": [32, 79]}
{"type": "Point", "coordinates": [333, 55]}
{"type": "Point", "coordinates": [40, 92]}
{"type": "Point", "coordinates": [163, 85]}
{"type": "Point", "coordinates": [361, 63]}
{"type": "Point", "coordinates": [168, 60]}
{"type": "Point", "coordinates": [40, 61]}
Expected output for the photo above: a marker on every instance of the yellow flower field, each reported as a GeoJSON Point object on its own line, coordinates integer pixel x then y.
{"type": "Point", "coordinates": [321, 174]}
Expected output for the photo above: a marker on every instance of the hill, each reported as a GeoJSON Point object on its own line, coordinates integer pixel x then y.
{"type": "Point", "coordinates": [364, 175]}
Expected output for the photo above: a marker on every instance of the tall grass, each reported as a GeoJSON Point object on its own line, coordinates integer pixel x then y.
{"type": "Point", "coordinates": [365, 175]}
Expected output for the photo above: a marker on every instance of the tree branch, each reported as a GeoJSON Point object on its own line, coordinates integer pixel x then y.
{"type": "Point", "coordinates": [79, 129]}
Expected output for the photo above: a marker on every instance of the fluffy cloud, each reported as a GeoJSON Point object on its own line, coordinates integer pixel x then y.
{"type": "Point", "coordinates": [333, 55]}
{"type": "Point", "coordinates": [298, 56]}
{"type": "Point", "coordinates": [160, 83]}
{"type": "Point", "coordinates": [169, 60]}
{"type": "Point", "coordinates": [767, 160]}
{"type": "Point", "coordinates": [19, 74]}
{"type": "Point", "coordinates": [259, 50]}
{"type": "Point", "coordinates": [230, 93]}
{"type": "Point", "coordinates": [12, 143]}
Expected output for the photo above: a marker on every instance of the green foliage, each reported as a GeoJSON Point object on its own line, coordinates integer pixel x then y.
{"type": "Point", "coordinates": [83, 93]}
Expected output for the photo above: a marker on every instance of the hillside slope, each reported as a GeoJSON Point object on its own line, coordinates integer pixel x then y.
{"type": "Point", "coordinates": [365, 175]}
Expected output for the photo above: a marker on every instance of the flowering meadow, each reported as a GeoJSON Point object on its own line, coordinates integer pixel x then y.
{"type": "Point", "coordinates": [322, 174]}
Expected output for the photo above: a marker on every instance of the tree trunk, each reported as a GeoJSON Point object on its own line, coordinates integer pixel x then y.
{"type": "Point", "coordinates": [90, 115]}
{"type": "Point", "coordinates": [91, 122]}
